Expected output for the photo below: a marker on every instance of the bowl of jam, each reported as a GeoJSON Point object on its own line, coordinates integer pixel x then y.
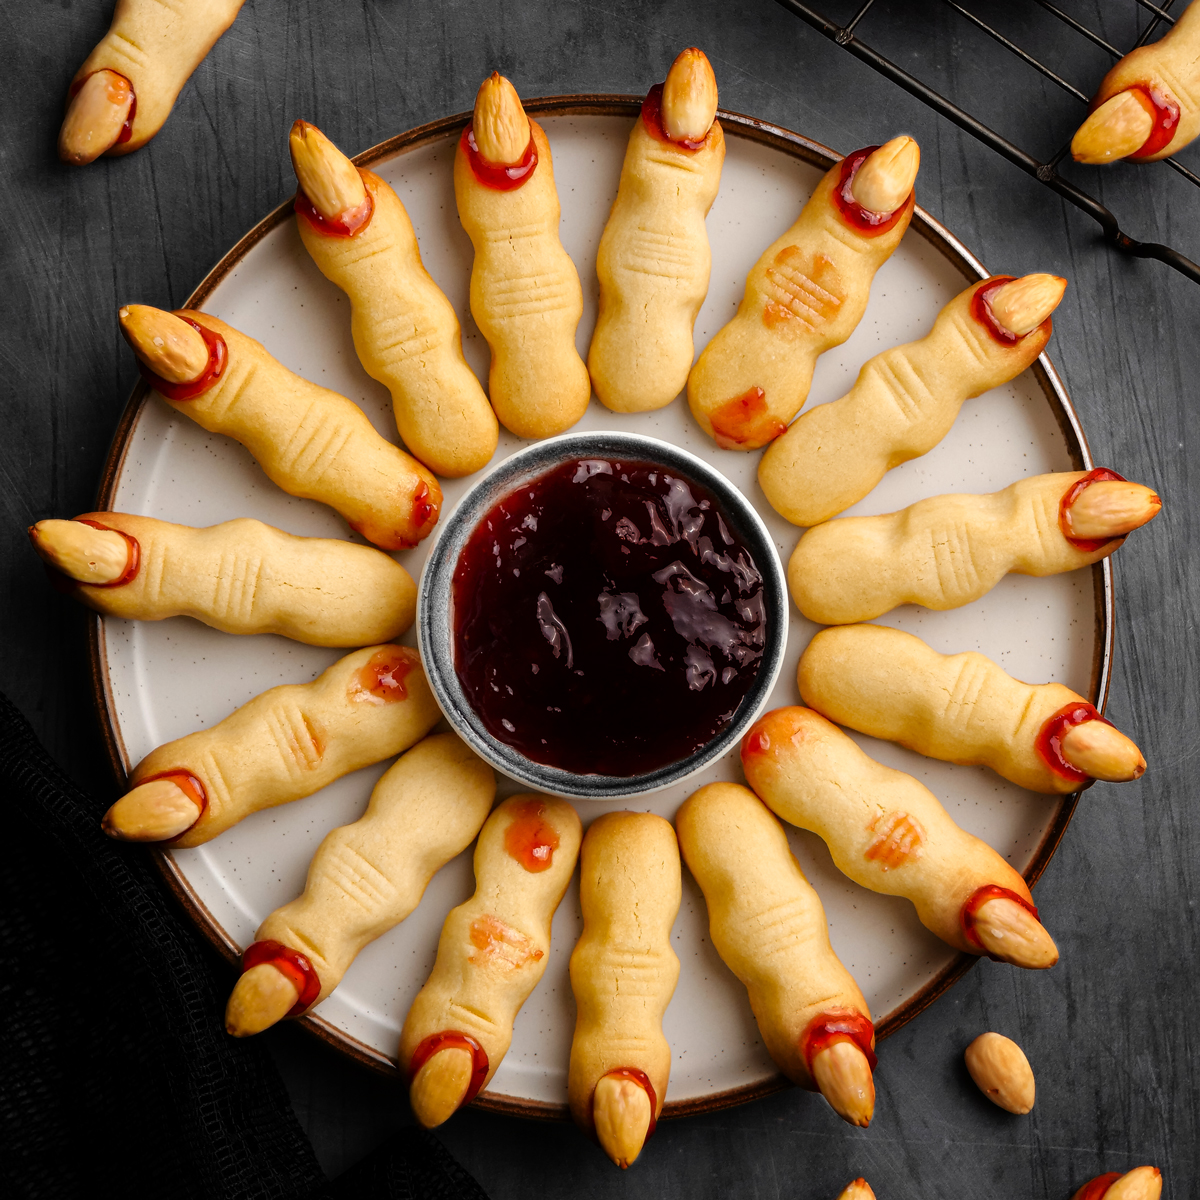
{"type": "Point", "coordinates": [602, 615]}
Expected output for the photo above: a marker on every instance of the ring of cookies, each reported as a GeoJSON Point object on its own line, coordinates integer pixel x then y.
{"type": "Point", "coordinates": [885, 831]}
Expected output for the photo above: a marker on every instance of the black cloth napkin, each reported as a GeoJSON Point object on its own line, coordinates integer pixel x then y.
{"type": "Point", "coordinates": [116, 1076]}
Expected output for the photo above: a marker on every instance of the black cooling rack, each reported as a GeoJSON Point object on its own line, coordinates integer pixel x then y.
{"type": "Point", "coordinates": [846, 36]}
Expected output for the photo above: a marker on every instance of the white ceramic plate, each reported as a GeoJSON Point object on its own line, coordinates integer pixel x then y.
{"type": "Point", "coordinates": [158, 681]}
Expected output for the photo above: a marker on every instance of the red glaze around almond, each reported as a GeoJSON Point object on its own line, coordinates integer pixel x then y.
{"type": "Point", "coordinates": [191, 787]}
{"type": "Point", "coordinates": [1050, 736]}
{"type": "Point", "coordinates": [135, 555]}
{"type": "Point", "coordinates": [863, 220]}
{"type": "Point", "coordinates": [498, 177]}
{"type": "Point", "coordinates": [652, 119]}
{"type": "Point", "coordinates": [449, 1040]}
{"type": "Point", "coordinates": [288, 962]}
{"type": "Point", "coordinates": [218, 356]}
{"type": "Point", "coordinates": [1099, 475]}
{"type": "Point", "coordinates": [345, 225]}
{"type": "Point", "coordinates": [827, 1029]}
{"type": "Point", "coordinates": [981, 310]}
{"type": "Point", "coordinates": [977, 900]}
{"type": "Point", "coordinates": [1095, 1189]}
{"type": "Point", "coordinates": [65, 584]}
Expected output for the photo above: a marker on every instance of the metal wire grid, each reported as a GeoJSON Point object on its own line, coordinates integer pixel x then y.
{"type": "Point", "coordinates": [1045, 172]}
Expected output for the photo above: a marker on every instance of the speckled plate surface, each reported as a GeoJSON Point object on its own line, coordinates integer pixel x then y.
{"type": "Point", "coordinates": [158, 681]}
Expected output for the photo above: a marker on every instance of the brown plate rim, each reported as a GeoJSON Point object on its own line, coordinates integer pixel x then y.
{"type": "Point", "coordinates": [738, 125]}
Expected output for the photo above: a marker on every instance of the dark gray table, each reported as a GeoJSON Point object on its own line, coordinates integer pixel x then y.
{"type": "Point", "coordinates": [1112, 1030]}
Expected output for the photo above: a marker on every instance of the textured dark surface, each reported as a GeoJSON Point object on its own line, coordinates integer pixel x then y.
{"type": "Point", "coordinates": [1112, 1031]}
{"type": "Point", "coordinates": [115, 1077]}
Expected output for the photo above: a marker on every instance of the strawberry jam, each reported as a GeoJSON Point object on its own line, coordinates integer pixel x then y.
{"type": "Point", "coordinates": [744, 423]}
{"type": "Point", "coordinates": [381, 681]}
{"type": "Point", "coordinates": [1050, 738]}
{"type": "Point", "coordinates": [606, 620]}
{"type": "Point", "coordinates": [1164, 111]}
{"type": "Point", "coordinates": [531, 839]}
{"type": "Point", "coordinates": [345, 225]}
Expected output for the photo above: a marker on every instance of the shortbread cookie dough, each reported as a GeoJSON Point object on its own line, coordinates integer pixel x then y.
{"type": "Point", "coordinates": [364, 879]}
{"type": "Point", "coordinates": [491, 954]}
{"type": "Point", "coordinates": [804, 296]}
{"type": "Point", "coordinates": [240, 577]}
{"type": "Point", "coordinates": [654, 261]}
{"type": "Point", "coordinates": [951, 550]}
{"type": "Point", "coordinates": [962, 708]}
{"type": "Point", "coordinates": [1148, 105]}
{"type": "Point", "coordinates": [405, 331]}
{"type": "Point", "coordinates": [525, 292]}
{"type": "Point", "coordinates": [768, 926]}
{"type": "Point", "coordinates": [281, 746]}
{"type": "Point", "coordinates": [906, 399]}
{"type": "Point", "coordinates": [889, 833]}
{"type": "Point", "coordinates": [309, 441]}
{"type": "Point", "coordinates": [623, 974]}
{"type": "Point", "coordinates": [126, 88]}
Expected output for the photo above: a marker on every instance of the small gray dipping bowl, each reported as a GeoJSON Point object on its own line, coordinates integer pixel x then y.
{"type": "Point", "coordinates": [435, 611]}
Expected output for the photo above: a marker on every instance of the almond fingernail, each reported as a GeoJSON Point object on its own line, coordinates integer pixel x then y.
{"type": "Point", "coordinates": [155, 811]}
{"type": "Point", "coordinates": [689, 97]}
{"type": "Point", "coordinates": [499, 122]}
{"type": "Point", "coordinates": [843, 1076]}
{"type": "Point", "coordinates": [1103, 752]}
{"type": "Point", "coordinates": [440, 1086]}
{"type": "Point", "coordinates": [1118, 128]}
{"type": "Point", "coordinates": [81, 552]}
{"type": "Point", "coordinates": [621, 1113]}
{"type": "Point", "coordinates": [886, 178]}
{"type": "Point", "coordinates": [95, 117]}
{"type": "Point", "coordinates": [1022, 305]}
{"type": "Point", "coordinates": [326, 176]}
{"type": "Point", "coordinates": [1001, 1072]}
{"type": "Point", "coordinates": [260, 998]}
{"type": "Point", "coordinates": [1111, 508]}
{"type": "Point", "coordinates": [167, 344]}
{"type": "Point", "coordinates": [1012, 933]}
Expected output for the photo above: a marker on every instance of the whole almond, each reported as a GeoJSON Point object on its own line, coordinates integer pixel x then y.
{"type": "Point", "coordinates": [1001, 1072]}
{"type": "Point", "coordinates": [859, 1189]}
